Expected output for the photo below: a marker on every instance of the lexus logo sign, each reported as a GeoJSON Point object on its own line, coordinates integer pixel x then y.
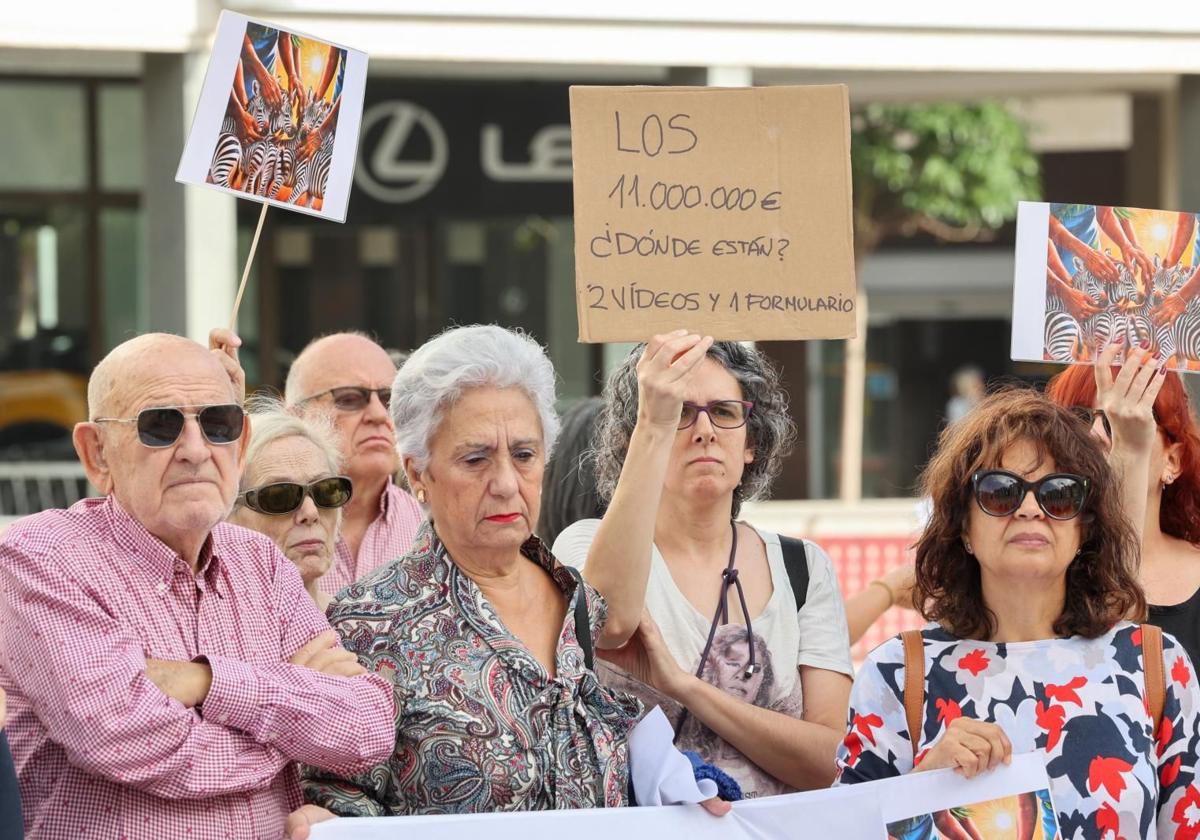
{"type": "Point", "coordinates": [387, 175]}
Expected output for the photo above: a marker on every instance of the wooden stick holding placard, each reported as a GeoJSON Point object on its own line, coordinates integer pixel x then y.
{"type": "Point", "coordinates": [237, 302]}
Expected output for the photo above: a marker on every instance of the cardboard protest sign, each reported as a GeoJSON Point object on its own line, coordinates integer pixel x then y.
{"type": "Point", "coordinates": [1005, 802]}
{"type": "Point", "coordinates": [726, 211]}
{"type": "Point", "coordinates": [278, 118]}
{"type": "Point", "coordinates": [1086, 274]}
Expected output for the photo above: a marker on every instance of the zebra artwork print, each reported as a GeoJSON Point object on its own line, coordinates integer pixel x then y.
{"type": "Point", "coordinates": [274, 164]}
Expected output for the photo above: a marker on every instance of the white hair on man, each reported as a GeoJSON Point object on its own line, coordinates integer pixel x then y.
{"type": "Point", "coordinates": [441, 369]}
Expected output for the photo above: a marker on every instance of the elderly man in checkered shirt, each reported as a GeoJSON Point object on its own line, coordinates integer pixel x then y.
{"type": "Point", "coordinates": [165, 670]}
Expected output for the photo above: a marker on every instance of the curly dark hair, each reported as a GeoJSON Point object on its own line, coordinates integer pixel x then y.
{"type": "Point", "coordinates": [1102, 586]}
{"type": "Point", "coordinates": [770, 429]}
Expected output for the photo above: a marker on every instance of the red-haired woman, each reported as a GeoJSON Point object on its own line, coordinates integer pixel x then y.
{"type": "Point", "coordinates": [1170, 555]}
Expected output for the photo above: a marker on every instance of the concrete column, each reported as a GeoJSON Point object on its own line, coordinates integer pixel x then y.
{"type": "Point", "coordinates": [191, 232]}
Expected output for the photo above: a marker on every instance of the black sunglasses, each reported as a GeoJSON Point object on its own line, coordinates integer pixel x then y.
{"type": "Point", "coordinates": [1059, 495]}
{"type": "Point", "coordinates": [724, 414]}
{"type": "Point", "coordinates": [161, 427]}
{"type": "Point", "coordinates": [353, 397]}
{"type": "Point", "coordinates": [286, 496]}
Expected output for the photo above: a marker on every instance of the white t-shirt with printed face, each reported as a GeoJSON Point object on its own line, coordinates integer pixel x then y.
{"type": "Point", "coordinates": [784, 639]}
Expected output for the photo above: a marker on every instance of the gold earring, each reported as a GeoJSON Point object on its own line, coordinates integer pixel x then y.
{"type": "Point", "coordinates": [421, 495]}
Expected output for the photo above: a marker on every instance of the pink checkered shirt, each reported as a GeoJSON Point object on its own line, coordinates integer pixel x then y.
{"type": "Point", "coordinates": [387, 538]}
{"type": "Point", "coordinates": [86, 596]}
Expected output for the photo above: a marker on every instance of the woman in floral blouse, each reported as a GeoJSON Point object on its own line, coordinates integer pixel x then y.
{"type": "Point", "coordinates": [496, 706]}
{"type": "Point", "coordinates": [1028, 568]}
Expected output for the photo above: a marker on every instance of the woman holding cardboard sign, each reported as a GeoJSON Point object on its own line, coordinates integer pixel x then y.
{"type": "Point", "coordinates": [1027, 566]}
{"type": "Point", "coordinates": [692, 428]}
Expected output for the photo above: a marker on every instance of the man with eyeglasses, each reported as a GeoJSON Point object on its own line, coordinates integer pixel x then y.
{"type": "Point", "coordinates": [166, 670]}
{"type": "Point", "coordinates": [348, 377]}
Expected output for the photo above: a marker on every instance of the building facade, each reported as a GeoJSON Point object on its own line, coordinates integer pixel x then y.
{"type": "Point", "coordinates": [461, 210]}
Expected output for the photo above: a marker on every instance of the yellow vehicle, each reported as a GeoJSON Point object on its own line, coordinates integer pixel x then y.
{"type": "Point", "coordinates": [38, 409]}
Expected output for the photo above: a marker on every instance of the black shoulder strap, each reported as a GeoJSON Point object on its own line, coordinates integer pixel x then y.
{"type": "Point", "coordinates": [583, 628]}
{"type": "Point", "coordinates": [795, 560]}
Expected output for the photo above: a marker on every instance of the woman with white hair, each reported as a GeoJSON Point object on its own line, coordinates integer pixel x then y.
{"type": "Point", "coordinates": [291, 490]}
{"type": "Point", "coordinates": [486, 637]}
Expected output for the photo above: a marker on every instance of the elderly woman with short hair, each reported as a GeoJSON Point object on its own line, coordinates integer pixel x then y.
{"type": "Point", "coordinates": [691, 429]}
{"type": "Point", "coordinates": [497, 707]}
{"type": "Point", "coordinates": [291, 490]}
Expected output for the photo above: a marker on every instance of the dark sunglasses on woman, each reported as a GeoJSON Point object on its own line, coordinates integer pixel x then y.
{"type": "Point", "coordinates": [1001, 493]}
{"type": "Point", "coordinates": [162, 426]}
{"type": "Point", "coordinates": [286, 496]}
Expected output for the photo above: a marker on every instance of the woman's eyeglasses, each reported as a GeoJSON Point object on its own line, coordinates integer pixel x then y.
{"type": "Point", "coordinates": [353, 397]}
{"type": "Point", "coordinates": [724, 414]}
{"type": "Point", "coordinates": [1001, 493]}
{"type": "Point", "coordinates": [1088, 415]}
{"type": "Point", "coordinates": [286, 496]}
{"type": "Point", "coordinates": [161, 427]}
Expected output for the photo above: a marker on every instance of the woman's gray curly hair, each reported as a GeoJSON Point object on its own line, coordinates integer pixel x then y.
{"type": "Point", "coordinates": [436, 374]}
{"type": "Point", "coordinates": [770, 430]}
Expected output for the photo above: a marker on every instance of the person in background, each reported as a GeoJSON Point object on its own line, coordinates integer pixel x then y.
{"type": "Point", "coordinates": [1027, 569]}
{"type": "Point", "coordinates": [691, 429]}
{"type": "Point", "coordinates": [347, 377]}
{"type": "Point", "coordinates": [168, 670]}
{"type": "Point", "coordinates": [1153, 437]}
{"type": "Point", "coordinates": [291, 490]}
{"type": "Point", "coordinates": [569, 489]}
{"type": "Point", "coordinates": [969, 388]}
{"type": "Point", "coordinates": [483, 634]}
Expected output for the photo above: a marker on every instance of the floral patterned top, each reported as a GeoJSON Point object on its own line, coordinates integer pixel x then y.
{"type": "Point", "coordinates": [1078, 700]}
{"type": "Point", "coordinates": [480, 724]}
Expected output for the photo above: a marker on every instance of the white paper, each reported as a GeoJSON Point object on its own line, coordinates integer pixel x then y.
{"type": "Point", "coordinates": [661, 774]}
{"type": "Point", "coordinates": [937, 790]}
{"type": "Point", "coordinates": [1029, 280]}
{"type": "Point", "coordinates": [850, 812]}
{"type": "Point", "coordinates": [214, 96]}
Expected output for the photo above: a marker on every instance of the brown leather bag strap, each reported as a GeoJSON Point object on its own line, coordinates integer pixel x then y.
{"type": "Point", "coordinates": [1152, 672]}
{"type": "Point", "coordinates": [914, 684]}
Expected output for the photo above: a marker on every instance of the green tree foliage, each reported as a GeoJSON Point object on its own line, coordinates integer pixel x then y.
{"type": "Point", "coordinates": [952, 170]}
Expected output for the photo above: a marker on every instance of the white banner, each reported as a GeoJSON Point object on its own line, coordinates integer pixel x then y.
{"type": "Point", "coordinates": [858, 811]}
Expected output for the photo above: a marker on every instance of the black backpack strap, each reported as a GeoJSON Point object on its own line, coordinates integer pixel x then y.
{"type": "Point", "coordinates": [583, 627]}
{"type": "Point", "coordinates": [795, 560]}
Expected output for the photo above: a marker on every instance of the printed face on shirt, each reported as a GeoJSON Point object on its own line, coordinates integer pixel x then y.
{"type": "Point", "coordinates": [1026, 547]}
{"type": "Point", "coordinates": [706, 461]}
{"type": "Point", "coordinates": [306, 536]}
{"type": "Point", "coordinates": [483, 484]}
{"type": "Point", "coordinates": [180, 491]}
{"type": "Point", "coordinates": [730, 673]}
{"type": "Point", "coordinates": [366, 437]}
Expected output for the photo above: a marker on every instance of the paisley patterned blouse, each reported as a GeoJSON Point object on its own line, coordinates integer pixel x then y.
{"type": "Point", "coordinates": [480, 724]}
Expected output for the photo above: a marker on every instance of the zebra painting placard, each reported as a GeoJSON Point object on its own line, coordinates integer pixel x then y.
{"type": "Point", "coordinates": [1089, 274]}
{"type": "Point", "coordinates": [278, 118]}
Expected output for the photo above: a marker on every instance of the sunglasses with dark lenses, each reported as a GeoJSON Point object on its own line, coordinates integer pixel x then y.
{"type": "Point", "coordinates": [1089, 415]}
{"type": "Point", "coordinates": [161, 427]}
{"type": "Point", "coordinates": [286, 496]}
{"type": "Point", "coordinates": [354, 397]}
{"type": "Point", "coordinates": [1059, 495]}
{"type": "Point", "coordinates": [724, 414]}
